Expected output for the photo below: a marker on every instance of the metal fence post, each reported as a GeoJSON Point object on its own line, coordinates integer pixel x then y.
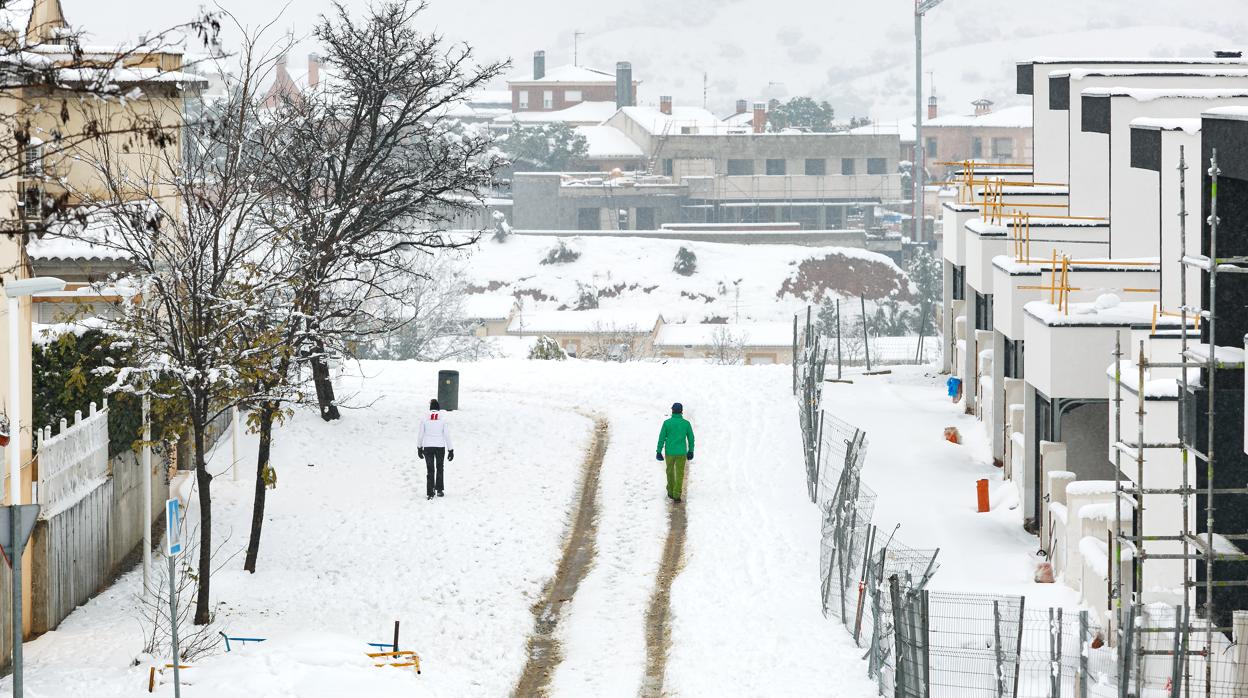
{"type": "Point", "coordinates": [925, 634]}
{"type": "Point", "coordinates": [1055, 689]}
{"type": "Point", "coordinates": [1176, 670]}
{"type": "Point", "coordinates": [899, 640]}
{"type": "Point", "coordinates": [996, 645]}
{"type": "Point", "coordinates": [1084, 645]}
{"type": "Point", "coordinates": [838, 339]}
{"type": "Point", "coordinates": [1124, 653]}
{"type": "Point", "coordinates": [1018, 646]}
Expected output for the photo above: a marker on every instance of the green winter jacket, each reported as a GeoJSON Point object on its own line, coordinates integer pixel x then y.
{"type": "Point", "coordinates": [676, 436]}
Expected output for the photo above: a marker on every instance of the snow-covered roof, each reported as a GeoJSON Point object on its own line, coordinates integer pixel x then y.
{"type": "Point", "coordinates": [742, 120]}
{"type": "Point", "coordinates": [1148, 94]}
{"type": "Point", "coordinates": [1095, 314]}
{"type": "Point", "coordinates": [656, 122]}
{"type": "Point", "coordinates": [1233, 113]}
{"type": "Point", "coordinates": [608, 142]}
{"type": "Point", "coordinates": [583, 113]}
{"type": "Point", "coordinates": [1009, 117]}
{"type": "Point", "coordinates": [577, 74]}
{"type": "Point", "coordinates": [749, 334]}
{"type": "Point", "coordinates": [1190, 60]}
{"type": "Point", "coordinates": [1189, 126]}
{"type": "Point", "coordinates": [489, 306]}
{"type": "Point", "coordinates": [598, 321]}
{"type": "Point", "coordinates": [489, 97]}
{"type": "Point", "coordinates": [15, 15]}
{"type": "Point", "coordinates": [1081, 73]}
{"type": "Point", "coordinates": [74, 242]}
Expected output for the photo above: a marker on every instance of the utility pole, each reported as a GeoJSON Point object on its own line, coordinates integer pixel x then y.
{"type": "Point", "coordinates": [921, 7]}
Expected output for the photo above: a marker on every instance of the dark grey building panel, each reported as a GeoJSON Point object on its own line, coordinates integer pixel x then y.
{"type": "Point", "coordinates": [1059, 93]}
{"type": "Point", "coordinates": [1095, 114]}
{"type": "Point", "coordinates": [1026, 74]}
{"type": "Point", "coordinates": [1146, 149]}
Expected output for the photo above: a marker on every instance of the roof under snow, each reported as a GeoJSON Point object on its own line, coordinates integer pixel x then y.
{"type": "Point", "coordinates": [608, 142]}
{"type": "Point", "coordinates": [489, 306]}
{"type": "Point", "coordinates": [598, 321]}
{"type": "Point", "coordinates": [1189, 126]}
{"type": "Point", "coordinates": [752, 334]}
{"type": "Point", "coordinates": [1009, 117]}
{"type": "Point", "coordinates": [583, 113]}
{"type": "Point", "coordinates": [578, 74]}
{"type": "Point", "coordinates": [656, 122]}
{"type": "Point", "coordinates": [1148, 94]}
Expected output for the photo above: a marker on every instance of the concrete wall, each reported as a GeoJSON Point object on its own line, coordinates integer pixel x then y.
{"type": "Point", "coordinates": [1168, 215]}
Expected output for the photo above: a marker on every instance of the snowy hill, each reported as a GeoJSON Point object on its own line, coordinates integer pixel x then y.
{"type": "Point", "coordinates": [752, 282]}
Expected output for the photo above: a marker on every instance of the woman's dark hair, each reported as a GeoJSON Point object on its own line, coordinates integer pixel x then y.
{"type": "Point", "coordinates": [433, 405]}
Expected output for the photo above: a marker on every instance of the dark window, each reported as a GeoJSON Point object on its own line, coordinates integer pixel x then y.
{"type": "Point", "coordinates": [740, 167]}
{"type": "Point", "coordinates": [1013, 358]}
{"type": "Point", "coordinates": [930, 148]}
{"type": "Point", "coordinates": [669, 168]}
{"type": "Point", "coordinates": [977, 147]}
{"type": "Point", "coordinates": [775, 166]}
{"type": "Point", "coordinates": [877, 166]}
{"type": "Point", "coordinates": [847, 166]}
{"type": "Point", "coordinates": [645, 218]}
{"type": "Point", "coordinates": [588, 219]}
{"type": "Point", "coordinates": [816, 166]}
{"type": "Point", "coordinates": [983, 311]}
{"type": "Point", "coordinates": [1003, 148]}
{"type": "Point", "coordinates": [959, 283]}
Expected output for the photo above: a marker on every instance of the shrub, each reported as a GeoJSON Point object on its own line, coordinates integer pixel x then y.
{"type": "Point", "coordinates": [686, 262]}
{"type": "Point", "coordinates": [561, 254]}
{"type": "Point", "coordinates": [547, 349]}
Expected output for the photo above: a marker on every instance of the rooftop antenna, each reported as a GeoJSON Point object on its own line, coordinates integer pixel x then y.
{"type": "Point", "coordinates": [576, 46]}
{"type": "Point", "coordinates": [705, 87]}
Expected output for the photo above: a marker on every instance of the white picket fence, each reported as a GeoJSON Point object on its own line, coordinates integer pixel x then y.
{"type": "Point", "coordinates": [74, 461]}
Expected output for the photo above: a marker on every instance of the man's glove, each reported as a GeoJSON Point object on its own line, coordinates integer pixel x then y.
{"type": "Point", "coordinates": [658, 455]}
{"type": "Point", "coordinates": [690, 454]}
{"type": "Point", "coordinates": [450, 455]}
{"type": "Point", "coordinates": [420, 453]}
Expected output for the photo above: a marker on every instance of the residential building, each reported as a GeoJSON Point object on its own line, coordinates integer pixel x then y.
{"type": "Point", "coordinates": [568, 85]}
{"type": "Point", "coordinates": [596, 333]}
{"type": "Point", "coordinates": [489, 314]}
{"type": "Point", "coordinates": [756, 343]}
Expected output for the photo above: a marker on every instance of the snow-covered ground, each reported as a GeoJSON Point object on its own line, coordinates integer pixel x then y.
{"type": "Point", "coordinates": [927, 485]}
{"type": "Point", "coordinates": [351, 545]}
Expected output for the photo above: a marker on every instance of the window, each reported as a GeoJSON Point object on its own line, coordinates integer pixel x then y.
{"type": "Point", "coordinates": [669, 168]}
{"type": "Point", "coordinates": [816, 166]}
{"type": "Point", "coordinates": [740, 167]}
{"type": "Point", "coordinates": [33, 164]}
{"type": "Point", "coordinates": [588, 219]}
{"type": "Point", "coordinates": [877, 166]}
{"type": "Point", "coordinates": [524, 100]}
{"type": "Point", "coordinates": [929, 148]}
{"type": "Point", "coordinates": [847, 166]}
{"type": "Point", "coordinates": [548, 99]}
{"type": "Point", "coordinates": [775, 166]}
{"type": "Point", "coordinates": [645, 218]}
{"type": "Point", "coordinates": [959, 283]}
{"type": "Point", "coordinates": [1003, 148]}
{"type": "Point", "coordinates": [572, 96]}
{"type": "Point", "coordinates": [983, 311]}
{"type": "Point", "coordinates": [977, 147]}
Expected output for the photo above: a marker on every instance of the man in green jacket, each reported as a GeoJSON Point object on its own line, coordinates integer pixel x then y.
{"type": "Point", "coordinates": [676, 438]}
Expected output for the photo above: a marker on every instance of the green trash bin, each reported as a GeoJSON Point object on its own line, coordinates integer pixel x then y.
{"type": "Point", "coordinates": [448, 390]}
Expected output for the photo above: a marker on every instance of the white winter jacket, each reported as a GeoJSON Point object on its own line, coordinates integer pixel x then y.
{"type": "Point", "coordinates": [434, 431]}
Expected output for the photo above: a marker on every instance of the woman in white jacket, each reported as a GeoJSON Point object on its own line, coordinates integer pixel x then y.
{"type": "Point", "coordinates": [433, 444]}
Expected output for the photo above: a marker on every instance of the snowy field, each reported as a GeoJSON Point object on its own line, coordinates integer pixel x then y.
{"type": "Point", "coordinates": [351, 545]}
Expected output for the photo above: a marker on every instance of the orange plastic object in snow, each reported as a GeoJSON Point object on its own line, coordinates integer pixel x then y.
{"type": "Point", "coordinates": [981, 490]}
{"type": "Point", "coordinates": [952, 435]}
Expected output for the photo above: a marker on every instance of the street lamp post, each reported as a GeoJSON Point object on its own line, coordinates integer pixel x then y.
{"type": "Point", "coordinates": [15, 290]}
{"type": "Point", "coordinates": [921, 7]}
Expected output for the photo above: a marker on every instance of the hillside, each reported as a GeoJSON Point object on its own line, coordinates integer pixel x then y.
{"type": "Point", "coordinates": [749, 282]}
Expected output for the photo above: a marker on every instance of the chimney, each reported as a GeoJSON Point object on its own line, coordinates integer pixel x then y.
{"type": "Point", "coordinates": [982, 106]}
{"type": "Point", "coordinates": [743, 105]}
{"type": "Point", "coordinates": [314, 70]}
{"type": "Point", "coordinates": [539, 65]}
{"type": "Point", "coordinates": [931, 107]}
{"type": "Point", "coordinates": [760, 117]}
{"type": "Point", "coordinates": [624, 96]}
{"type": "Point", "coordinates": [665, 105]}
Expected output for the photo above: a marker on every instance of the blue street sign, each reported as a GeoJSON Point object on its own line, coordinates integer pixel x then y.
{"type": "Point", "coordinates": [173, 528]}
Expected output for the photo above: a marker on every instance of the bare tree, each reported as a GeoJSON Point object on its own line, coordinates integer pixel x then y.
{"type": "Point", "coordinates": [188, 227]}
{"type": "Point", "coordinates": [727, 347]}
{"type": "Point", "coordinates": [369, 170]}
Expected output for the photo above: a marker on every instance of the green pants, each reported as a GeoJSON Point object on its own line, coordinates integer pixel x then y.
{"type": "Point", "coordinates": [675, 476]}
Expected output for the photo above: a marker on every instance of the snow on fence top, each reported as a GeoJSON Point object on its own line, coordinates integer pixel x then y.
{"type": "Point", "coordinates": [73, 461]}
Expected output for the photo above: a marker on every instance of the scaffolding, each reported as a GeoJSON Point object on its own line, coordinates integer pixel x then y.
{"type": "Point", "coordinates": [1199, 643]}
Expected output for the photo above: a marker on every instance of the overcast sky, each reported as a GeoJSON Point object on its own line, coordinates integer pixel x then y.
{"type": "Point", "coordinates": [858, 55]}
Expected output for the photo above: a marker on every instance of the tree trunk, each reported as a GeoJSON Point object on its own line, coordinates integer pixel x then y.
{"type": "Point", "coordinates": [267, 410]}
{"type": "Point", "coordinates": [203, 610]}
{"type": "Point", "coordinates": [324, 385]}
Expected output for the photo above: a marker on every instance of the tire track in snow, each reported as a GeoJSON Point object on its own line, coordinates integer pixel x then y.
{"type": "Point", "coordinates": [658, 630]}
{"type": "Point", "coordinates": [544, 651]}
